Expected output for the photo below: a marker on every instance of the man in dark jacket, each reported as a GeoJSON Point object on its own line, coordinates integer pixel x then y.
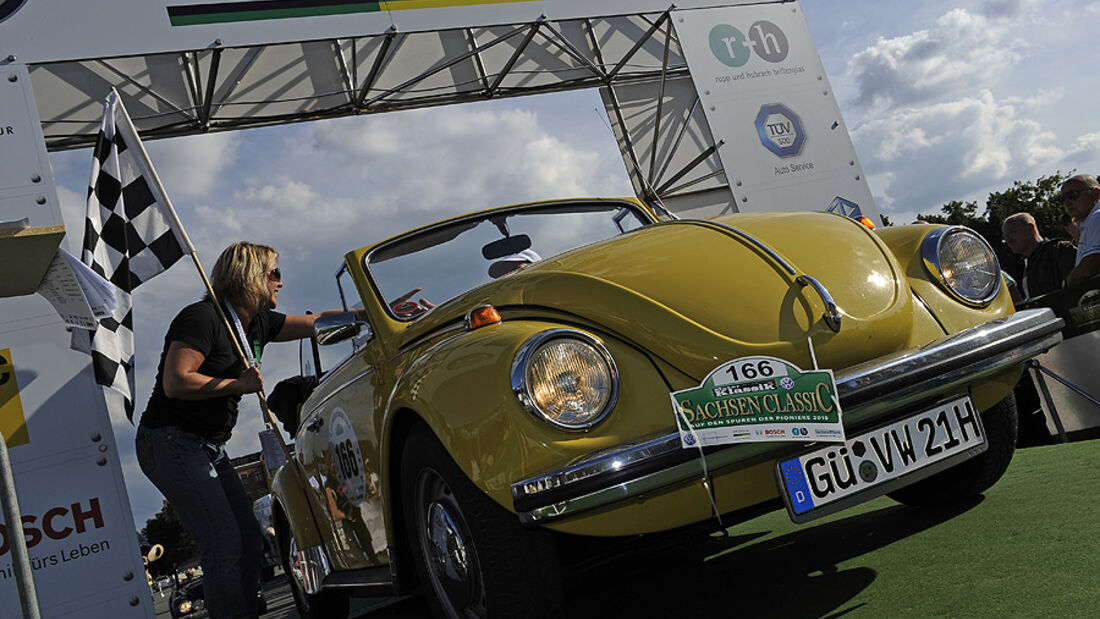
{"type": "Point", "coordinates": [1046, 262]}
{"type": "Point", "coordinates": [1046, 265]}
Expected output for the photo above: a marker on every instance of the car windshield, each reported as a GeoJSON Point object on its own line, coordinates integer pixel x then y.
{"type": "Point", "coordinates": [445, 261]}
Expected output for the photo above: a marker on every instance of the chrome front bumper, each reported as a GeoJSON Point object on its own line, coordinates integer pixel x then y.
{"type": "Point", "coordinates": [891, 382]}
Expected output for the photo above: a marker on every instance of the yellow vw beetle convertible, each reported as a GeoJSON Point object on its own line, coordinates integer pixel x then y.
{"type": "Point", "coordinates": [527, 377]}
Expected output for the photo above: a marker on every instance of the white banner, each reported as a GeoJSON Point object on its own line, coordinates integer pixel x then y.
{"type": "Point", "coordinates": [766, 97]}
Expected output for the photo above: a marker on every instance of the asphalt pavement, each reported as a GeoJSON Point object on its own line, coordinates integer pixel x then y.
{"type": "Point", "coordinates": [280, 604]}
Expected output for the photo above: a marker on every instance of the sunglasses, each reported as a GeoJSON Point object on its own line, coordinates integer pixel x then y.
{"type": "Point", "coordinates": [1072, 194]}
{"type": "Point", "coordinates": [275, 275]}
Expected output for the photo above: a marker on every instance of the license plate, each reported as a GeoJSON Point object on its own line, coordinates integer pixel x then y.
{"type": "Point", "coordinates": [839, 476]}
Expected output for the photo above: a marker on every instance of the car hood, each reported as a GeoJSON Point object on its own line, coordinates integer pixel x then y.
{"type": "Point", "coordinates": [695, 294]}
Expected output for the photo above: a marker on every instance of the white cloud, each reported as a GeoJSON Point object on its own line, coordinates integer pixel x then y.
{"type": "Point", "coordinates": [1003, 8]}
{"type": "Point", "coordinates": [929, 155]}
{"type": "Point", "coordinates": [73, 212]}
{"type": "Point", "coordinates": [1086, 151]}
{"type": "Point", "coordinates": [407, 161]}
{"type": "Point", "coordinates": [192, 166]}
{"type": "Point", "coordinates": [962, 50]}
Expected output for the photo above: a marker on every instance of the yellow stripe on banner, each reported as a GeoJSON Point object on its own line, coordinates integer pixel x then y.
{"type": "Point", "coordinates": [405, 5]}
{"type": "Point", "coordinates": [13, 424]}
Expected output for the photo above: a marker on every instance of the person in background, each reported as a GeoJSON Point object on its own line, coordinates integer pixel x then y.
{"type": "Point", "coordinates": [1072, 228]}
{"type": "Point", "coordinates": [1080, 196]}
{"type": "Point", "coordinates": [513, 262]}
{"type": "Point", "coordinates": [191, 413]}
{"type": "Point", "coordinates": [1046, 262]}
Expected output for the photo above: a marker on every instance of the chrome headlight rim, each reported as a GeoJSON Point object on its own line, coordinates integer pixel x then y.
{"type": "Point", "coordinates": [522, 389]}
{"type": "Point", "coordinates": [930, 253]}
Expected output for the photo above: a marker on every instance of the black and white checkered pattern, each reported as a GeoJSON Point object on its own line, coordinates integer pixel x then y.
{"type": "Point", "coordinates": [130, 235]}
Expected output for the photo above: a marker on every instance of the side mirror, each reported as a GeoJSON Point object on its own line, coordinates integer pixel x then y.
{"type": "Point", "coordinates": [339, 327]}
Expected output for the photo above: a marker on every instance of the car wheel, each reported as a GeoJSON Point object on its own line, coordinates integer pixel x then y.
{"type": "Point", "coordinates": [975, 475]}
{"type": "Point", "coordinates": [320, 605]}
{"type": "Point", "coordinates": [472, 556]}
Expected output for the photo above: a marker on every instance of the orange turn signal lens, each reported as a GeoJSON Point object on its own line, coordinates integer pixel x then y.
{"type": "Point", "coordinates": [482, 316]}
{"type": "Point", "coordinates": [867, 222]}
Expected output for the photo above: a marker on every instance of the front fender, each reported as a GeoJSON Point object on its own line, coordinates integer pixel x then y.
{"type": "Point", "coordinates": [461, 387]}
{"type": "Point", "coordinates": [905, 242]}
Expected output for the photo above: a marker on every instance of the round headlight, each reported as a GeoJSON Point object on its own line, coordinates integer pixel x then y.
{"type": "Point", "coordinates": [963, 263]}
{"type": "Point", "coordinates": [185, 606]}
{"type": "Point", "coordinates": [565, 377]}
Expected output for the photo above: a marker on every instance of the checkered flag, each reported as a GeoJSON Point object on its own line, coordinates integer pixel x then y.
{"type": "Point", "coordinates": [130, 235]}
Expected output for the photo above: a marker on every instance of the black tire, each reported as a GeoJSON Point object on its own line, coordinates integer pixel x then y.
{"type": "Point", "coordinates": [975, 475]}
{"type": "Point", "coordinates": [320, 605]}
{"type": "Point", "coordinates": [491, 566]}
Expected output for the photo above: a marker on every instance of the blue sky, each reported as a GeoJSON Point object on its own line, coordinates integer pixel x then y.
{"type": "Point", "coordinates": [944, 100]}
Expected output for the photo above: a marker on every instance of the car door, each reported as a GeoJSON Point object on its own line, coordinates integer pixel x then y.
{"type": "Point", "coordinates": [337, 447]}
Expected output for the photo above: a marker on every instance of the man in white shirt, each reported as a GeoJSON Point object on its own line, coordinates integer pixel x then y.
{"type": "Point", "coordinates": [1080, 196]}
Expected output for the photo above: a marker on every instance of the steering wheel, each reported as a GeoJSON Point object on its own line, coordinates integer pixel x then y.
{"type": "Point", "coordinates": [405, 307]}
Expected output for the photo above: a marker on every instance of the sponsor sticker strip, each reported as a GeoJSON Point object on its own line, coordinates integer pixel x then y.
{"type": "Point", "coordinates": [260, 10]}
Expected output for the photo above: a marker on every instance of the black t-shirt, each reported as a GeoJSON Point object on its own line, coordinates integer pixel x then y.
{"type": "Point", "coordinates": [198, 325]}
{"type": "Point", "coordinates": [1047, 267]}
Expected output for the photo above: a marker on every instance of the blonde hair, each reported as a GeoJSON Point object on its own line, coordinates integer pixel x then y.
{"type": "Point", "coordinates": [240, 274]}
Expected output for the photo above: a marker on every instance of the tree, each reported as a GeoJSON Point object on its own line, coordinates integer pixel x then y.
{"type": "Point", "coordinates": [955, 213]}
{"type": "Point", "coordinates": [1037, 197]}
{"type": "Point", "coordinates": [166, 529]}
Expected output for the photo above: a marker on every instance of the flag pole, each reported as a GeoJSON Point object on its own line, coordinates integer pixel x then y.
{"type": "Point", "coordinates": [21, 565]}
{"type": "Point", "coordinates": [182, 233]}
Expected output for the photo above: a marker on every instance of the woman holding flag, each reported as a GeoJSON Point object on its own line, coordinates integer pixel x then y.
{"type": "Point", "coordinates": [193, 408]}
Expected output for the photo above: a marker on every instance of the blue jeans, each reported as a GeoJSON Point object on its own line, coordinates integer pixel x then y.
{"type": "Point", "coordinates": [207, 495]}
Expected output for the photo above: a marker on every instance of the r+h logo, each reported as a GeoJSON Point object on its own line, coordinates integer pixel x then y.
{"type": "Point", "coordinates": [734, 49]}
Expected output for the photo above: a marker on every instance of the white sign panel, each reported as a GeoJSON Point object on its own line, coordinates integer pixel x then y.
{"type": "Point", "coordinates": [26, 179]}
{"type": "Point", "coordinates": [78, 526]}
{"type": "Point", "coordinates": [76, 515]}
{"type": "Point", "coordinates": [765, 95]}
{"type": "Point", "coordinates": [38, 31]}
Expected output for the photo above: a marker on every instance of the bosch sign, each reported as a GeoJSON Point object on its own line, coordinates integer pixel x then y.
{"type": "Point", "coordinates": [780, 130]}
{"type": "Point", "coordinates": [56, 523]}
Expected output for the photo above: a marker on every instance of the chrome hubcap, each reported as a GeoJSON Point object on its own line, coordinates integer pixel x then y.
{"type": "Point", "coordinates": [446, 547]}
{"type": "Point", "coordinates": [448, 551]}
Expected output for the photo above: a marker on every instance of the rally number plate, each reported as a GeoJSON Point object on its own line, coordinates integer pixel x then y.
{"type": "Point", "coordinates": [838, 476]}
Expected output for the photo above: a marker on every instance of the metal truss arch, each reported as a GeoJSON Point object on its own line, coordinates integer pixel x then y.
{"type": "Point", "coordinates": [221, 88]}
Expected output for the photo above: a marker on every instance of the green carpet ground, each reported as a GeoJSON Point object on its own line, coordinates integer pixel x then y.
{"type": "Point", "coordinates": [1028, 548]}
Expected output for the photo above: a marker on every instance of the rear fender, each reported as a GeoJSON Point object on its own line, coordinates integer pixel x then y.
{"type": "Point", "coordinates": [288, 488]}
